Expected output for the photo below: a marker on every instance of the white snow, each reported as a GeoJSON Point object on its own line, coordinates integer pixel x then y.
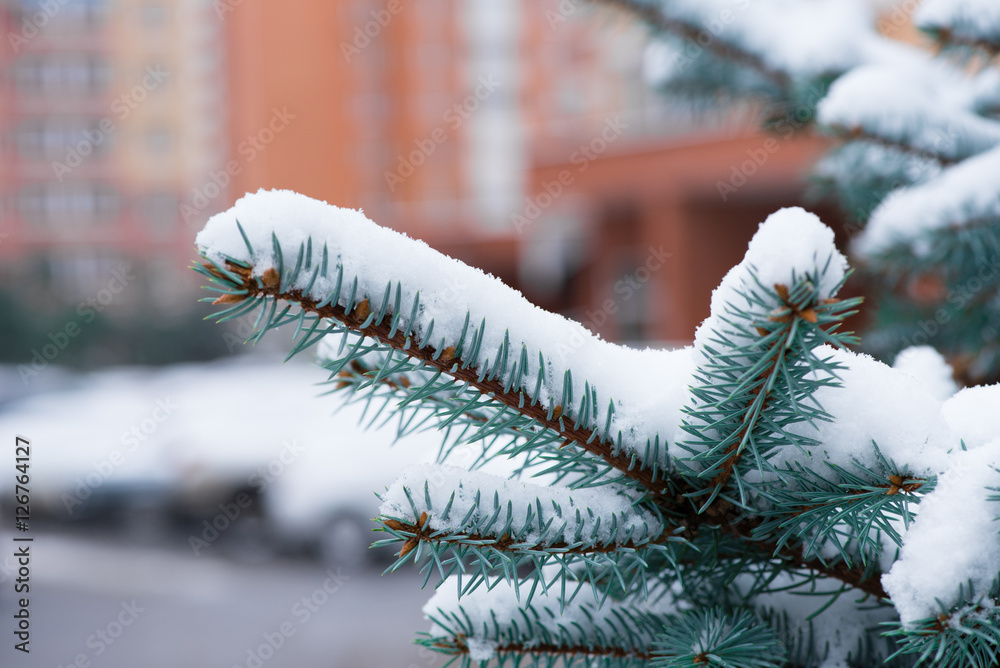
{"type": "Point", "coordinates": [791, 36]}
{"type": "Point", "coordinates": [647, 386]}
{"type": "Point", "coordinates": [975, 19]}
{"type": "Point", "coordinates": [875, 404]}
{"type": "Point", "coordinates": [974, 414]}
{"type": "Point", "coordinates": [926, 365]}
{"type": "Point", "coordinates": [837, 629]}
{"type": "Point", "coordinates": [954, 540]}
{"type": "Point", "coordinates": [963, 193]}
{"type": "Point", "coordinates": [193, 428]}
{"type": "Point", "coordinates": [497, 612]}
{"type": "Point", "coordinates": [922, 105]}
{"type": "Point", "coordinates": [517, 498]}
{"type": "Point", "coordinates": [790, 243]}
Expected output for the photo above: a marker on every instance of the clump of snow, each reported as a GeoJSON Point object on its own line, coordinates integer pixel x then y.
{"type": "Point", "coordinates": [499, 615]}
{"type": "Point", "coordinates": [965, 19]}
{"type": "Point", "coordinates": [920, 106]}
{"type": "Point", "coordinates": [481, 650]}
{"type": "Point", "coordinates": [875, 404]}
{"type": "Point", "coordinates": [928, 366]}
{"type": "Point", "coordinates": [954, 540]}
{"type": "Point", "coordinates": [963, 193]}
{"type": "Point", "coordinates": [985, 92]}
{"type": "Point", "coordinates": [647, 386]}
{"type": "Point", "coordinates": [575, 513]}
{"type": "Point", "coordinates": [837, 630]}
{"type": "Point", "coordinates": [974, 414]}
{"type": "Point", "coordinates": [790, 244]}
{"type": "Point", "coordinates": [790, 36]}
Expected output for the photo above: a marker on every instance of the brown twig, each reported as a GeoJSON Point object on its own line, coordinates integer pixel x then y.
{"type": "Point", "coordinates": [453, 366]}
{"type": "Point", "coordinates": [856, 133]}
{"type": "Point", "coordinates": [721, 513]}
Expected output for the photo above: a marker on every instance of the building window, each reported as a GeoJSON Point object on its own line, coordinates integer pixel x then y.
{"type": "Point", "coordinates": [55, 138]}
{"type": "Point", "coordinates": [71, 15]}
{"type": "Point", "coordinates": [65, 206]}
{"type": "Point", "coordinates": [160, 213]}
{"type": "Point", "coordinates": [153, 15]}
{"type": "Point", "coordinates": [159, 141]}
{"type": "Point", "coordinates": [59, 74]}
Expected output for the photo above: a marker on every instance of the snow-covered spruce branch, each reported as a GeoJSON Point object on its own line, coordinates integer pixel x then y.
{"type": "Point", "coordinates": [503, 524]}
{"type": "Point", "coordinates": [753, 353]}
{"type": "Point", "coordinates": [919, 108]}
{"type": "Point", "coordinates": [680, 25]}
{"type": "Point", "coordinates": [823, 451]}
{"type": "Point", "coordinates": [397, 325]}
{"type": "Point", "coordinates": [964, 25]}
{"type": "Point", "coordinates": [502, 624]}
{"type": "Point", "coordinates": [374, 331]}
{"type": "Point", "coordinates": [918, 219]}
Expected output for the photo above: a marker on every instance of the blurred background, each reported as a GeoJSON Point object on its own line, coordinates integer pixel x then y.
{"type": "Point", "coordinates": [180, 517]}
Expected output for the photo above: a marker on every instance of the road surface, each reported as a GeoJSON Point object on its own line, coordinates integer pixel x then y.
{"type": "Point", "coordinates": [101, 603]}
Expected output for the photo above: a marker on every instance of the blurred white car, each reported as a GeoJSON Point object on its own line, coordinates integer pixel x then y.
{"type": "Point", "coordinates": [246, 451]}
{"type": "Point", "coordinates": [326, 500]}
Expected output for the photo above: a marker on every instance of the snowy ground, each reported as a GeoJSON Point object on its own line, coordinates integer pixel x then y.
{"type": "Point", "coordinates": [207, 612]}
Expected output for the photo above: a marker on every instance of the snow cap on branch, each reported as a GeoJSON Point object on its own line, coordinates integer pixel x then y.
{"type": "Point", "coordinates": [797, 38]}
{"type": "Point", "coordinates": [966, 20]}
{"type": "Point", "coordinates": [972, 414]}
{"type": "Point", "coordinates": [647, 386]}
{"type": "Point", "coordinates": [954, 540]}
{"type": "Point", "coordinates": [922, 105]}
{"type": "Point", "coordinates": [791, 243]}
{"type": "Point", "coordinates": [485, 620]}
{"type": "Point", "coordinates": [469, 497]}
{"type": "Point", "coordinates": [968, 192]}
{"type": "Point", "coordinates": [928, 366]}
{"type": "Point", "coordinates": [875, 404]}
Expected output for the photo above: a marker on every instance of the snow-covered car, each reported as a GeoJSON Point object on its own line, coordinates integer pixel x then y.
{"type": "Point", "coordinates": [326, 500]}
{"type": "Point", "coordinates": [94, 448]}
{"type": "Point", "coordinates": [193, 442]}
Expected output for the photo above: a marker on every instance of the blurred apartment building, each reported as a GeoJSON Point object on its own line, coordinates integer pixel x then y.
{"type": "Point", "coordinates": [435, 117]}
{"type": "Point", "coordinates": [427, 114]}
{"type": "Point", "coordinates": [110, 110]}
{"type": "Point", "coordinates": [446, 119]}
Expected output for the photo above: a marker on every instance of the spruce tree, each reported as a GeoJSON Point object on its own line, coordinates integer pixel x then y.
{"type": "Point", "coordinates": [916, 165]}
{"type": "Point", "coordinates": [748, 501]}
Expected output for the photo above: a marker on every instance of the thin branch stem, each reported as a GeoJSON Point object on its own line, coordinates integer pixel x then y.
{"type": "Point", "coordinates": [720, 513]}
{"type": "Point", "coordinates": [858, 134]}
{"type": "Point", "coordinates": [453, 367]}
